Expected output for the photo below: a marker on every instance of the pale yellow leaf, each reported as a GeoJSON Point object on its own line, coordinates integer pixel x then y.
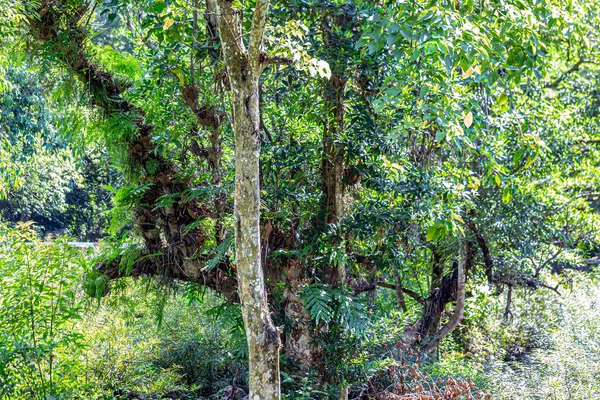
{"type": "Point", "coordinates": [179, 74]}
{"type": "Point", "coordinates": [458, 218]}
{"type": "Point", "coordinates": [168, 23]}
{"type": "Point", "coordinates": [467, 73]}
{"type": "Point", "coordinates": [468, 119]}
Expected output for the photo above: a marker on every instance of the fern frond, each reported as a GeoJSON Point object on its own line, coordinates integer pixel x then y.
{"type": "Point", "coordinates": [221, 252]}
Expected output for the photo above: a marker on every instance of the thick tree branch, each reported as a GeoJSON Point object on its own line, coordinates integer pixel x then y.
{"type": "Point", "coordinates": [163, 228]}
{"type": "Point", "coordinates": [219, 278]}
{"type": "Point", "coordinates": [487, 257]}
{"type": "Point", "coordinates": [266, 60]}
{"type": "Point", "coordinates": [420, 299]}
{"type": "Point", "coordinates": [460, 301]}
{"type": "Point", "coordinates": [259, 21]}
{"type": "Point", "coordinates": [524, 282]}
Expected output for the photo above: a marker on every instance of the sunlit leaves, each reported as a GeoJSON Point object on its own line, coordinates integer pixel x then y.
{"type": "Point", "coordinates": [468, 119]}
{"type": "Point", "coordinates": [168, 23]}
{"type": "Point", "coordinates": [38, 311]}
{"type": "Point", "coordinates": [319, 68]}
{"type": "Point", "coordinates": [118, 63]}
{"type": "Point", "coordinates": [506, 195]}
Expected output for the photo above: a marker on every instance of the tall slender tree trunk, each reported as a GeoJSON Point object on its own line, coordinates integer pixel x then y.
{"type": "Point", "coordinates": [243, 69]}
{"type": "Point", "coordinates": [332, 169]}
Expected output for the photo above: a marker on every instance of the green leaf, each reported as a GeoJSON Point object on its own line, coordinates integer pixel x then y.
{"type": "Point", "coordinates": [431, 232]}
{"type": "Point", "coordinates": [178, 72]}
{"type": "Point", "coordinates": [506, 195]}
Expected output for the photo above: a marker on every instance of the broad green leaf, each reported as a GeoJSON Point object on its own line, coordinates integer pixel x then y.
{"type": "Point", "coordinates": [506, 195]}
{"type": "Point", "coordinates": [431, 233]}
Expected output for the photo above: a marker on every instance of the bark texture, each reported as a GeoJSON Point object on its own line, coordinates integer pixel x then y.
{"type": "Point", "coordinates": [441, 292]}
{"type": "Point", "coordinates": [243, 69]}
{"type": "Point", "coordinates": [485, 251]}
{"type": "Point", "coordinates": [460, 300]}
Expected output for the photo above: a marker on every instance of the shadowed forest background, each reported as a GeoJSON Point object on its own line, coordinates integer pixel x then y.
{"type": "Point", "coordinates": [299, 199]}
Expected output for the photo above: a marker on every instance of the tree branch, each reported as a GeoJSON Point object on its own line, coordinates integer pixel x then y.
{"type": "Point", "coordinates": [156, 224]}
{"type": "Point", "coordinates": [420, 299]}
{"type": "Point", "coordinates": [554, 84]}
{"type": "Point", "coordinates": [218, 278]}
{"type": "Point", "coordinates": [487, 257]}
{"type": "Point", "coordinates": [540, 267]}
{"type": "Point", "coordinates": [267, 60]}
{"type": "Point", "coordinates": [259, 20]}
{"type": "Point", "coordinates": [460, 301]}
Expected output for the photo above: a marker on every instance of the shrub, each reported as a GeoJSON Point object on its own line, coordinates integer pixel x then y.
{"type": "Point", "coordinates": [39, 309]}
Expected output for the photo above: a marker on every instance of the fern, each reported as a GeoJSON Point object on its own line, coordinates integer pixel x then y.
{"type": "Point", "coordinates": [229, 316]}
{"type": "Point", "coordinates": [200, 192]}
{"type": "Point", "coordinates": [130, 195]}
{"type": "Point", "coordinates": [318, 301]}
{"type": "Point", "coordinates": [333, 305]}
{"type": "Point", "coordinates": [221, 251]}
{"type": "Point", "coordinates": [350, 313]}
{"type": "Point", "coordinates": [190, 227]}
{"type": "Point", "coordinates": [193, 292]}
{"type": "Point", "coordinates": [166, 200]}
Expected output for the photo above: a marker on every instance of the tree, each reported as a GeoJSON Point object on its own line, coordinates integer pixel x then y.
{"type": "Point", "coordinates": [243, 71]}
{"type": "Point", "coordinates": [388, 153]}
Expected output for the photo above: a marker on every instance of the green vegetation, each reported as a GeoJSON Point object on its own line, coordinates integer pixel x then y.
{"type": "Point", "coordinates": [299, 200]}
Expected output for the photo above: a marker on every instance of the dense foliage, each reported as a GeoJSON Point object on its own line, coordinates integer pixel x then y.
{"type": "Point", "coordinates": [427, 186]}
{"type": "Point", "coordinates": [47, 178]}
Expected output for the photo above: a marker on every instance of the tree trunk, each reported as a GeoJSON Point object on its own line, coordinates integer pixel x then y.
{"type": "Point", "coordinates": [399, 293]}
{"type": "Point", "coordinates": [485, 251]}
{"type": "Point", "coordinates": [460, 300]}
{"type": "Point", "coordinates": [244, 69]}
{"type": "Point", "coordinates": [299, 337]}
{"type": "Point", "coordinates": [263, 339]}
{"type": "Point", "coordinates": [441, 292]}
{"type": "Point", "coordinates": [332, 169]}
